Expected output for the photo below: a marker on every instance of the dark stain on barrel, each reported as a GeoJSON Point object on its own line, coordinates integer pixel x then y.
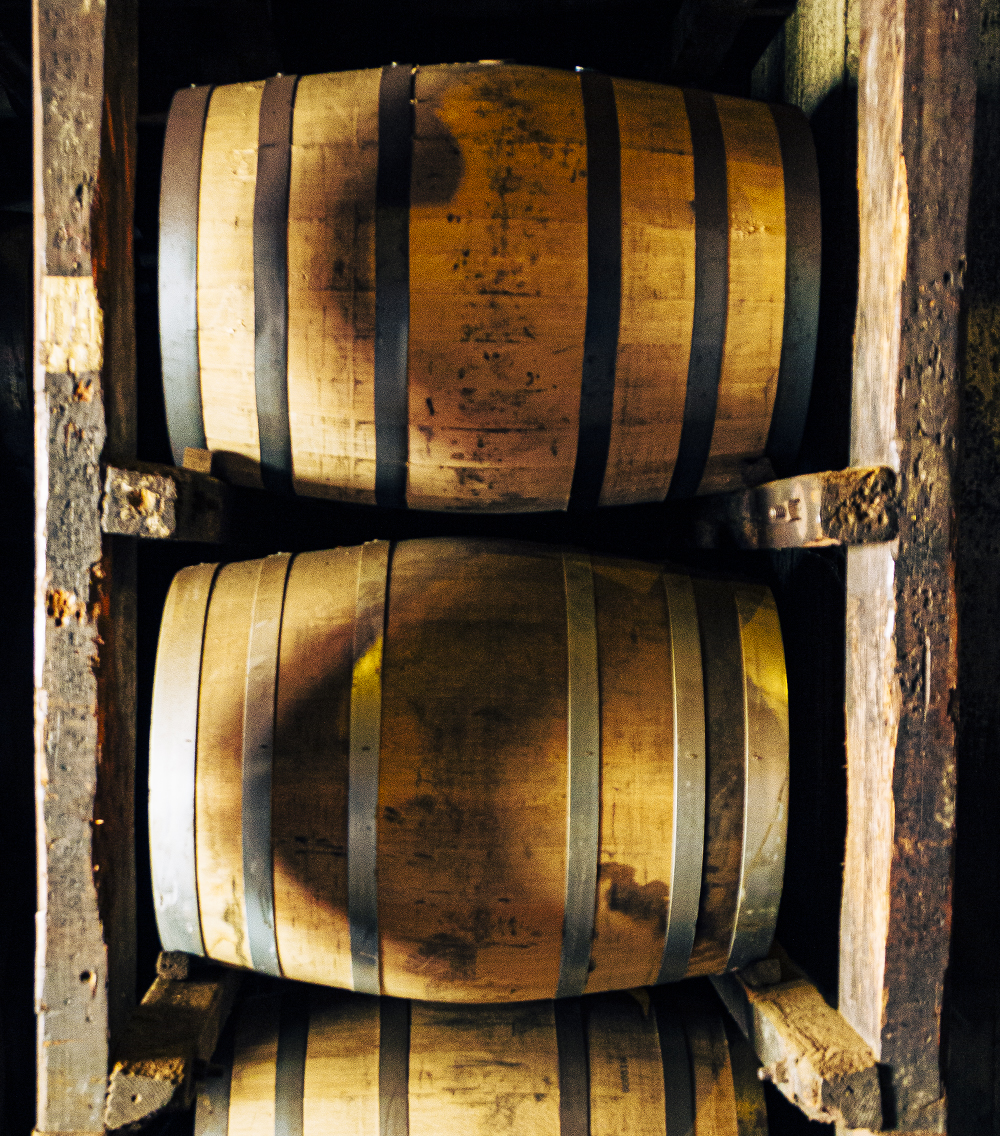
{"type": "Point", "coordinates": [457, 954]}
{"type": "Point", "coordinates": [645, 903]}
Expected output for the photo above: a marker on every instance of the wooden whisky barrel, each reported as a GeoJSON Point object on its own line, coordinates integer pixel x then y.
{"type": "Point", "coordinates": [487, 287]}
{"type": "Point", "coordinates": [463, 770]}
{"type": "Point", "coordinates": [643, 1062]}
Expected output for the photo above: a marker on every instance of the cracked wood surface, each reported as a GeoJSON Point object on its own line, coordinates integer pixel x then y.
{"type": "Point", "coordinates": [813, 510]}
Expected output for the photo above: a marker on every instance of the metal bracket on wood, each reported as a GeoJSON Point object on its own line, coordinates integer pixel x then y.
{"type": "Point", "coordinates": [850, 506]}
{"type": "Point", "coordinates": [171, 1034]}
{"type": "Point", "coordinates": [807, 1049]}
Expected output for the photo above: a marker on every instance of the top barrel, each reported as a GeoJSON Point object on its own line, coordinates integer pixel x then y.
{"type": "Point", "coordinates": [487, 287]}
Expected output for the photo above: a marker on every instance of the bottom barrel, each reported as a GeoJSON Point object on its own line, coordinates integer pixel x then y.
{"type": "Point", "coordinates": [647, 1063]}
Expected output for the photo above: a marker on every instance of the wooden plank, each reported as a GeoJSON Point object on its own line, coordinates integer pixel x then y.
{"type": "Point", "coordinates": [165, 503]}
{"type": "Point", "coordinates": [83, 610]}
{"type": "Point", "coordinates": [170, 1035]}
{"type": "Point", "coordinates": [114, 278]}
{"type": "Point", "coordinates": [915, 118]}
{"type": "Point", "coordinates": [915, 133]}
{"type": "Point", "coordinates": [808, 1051]}
{"type": "Point", "coordinates": [17, 835]}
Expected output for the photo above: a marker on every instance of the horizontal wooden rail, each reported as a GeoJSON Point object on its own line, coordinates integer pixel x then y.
{"type": "Point", "coordinates": [852, 506]}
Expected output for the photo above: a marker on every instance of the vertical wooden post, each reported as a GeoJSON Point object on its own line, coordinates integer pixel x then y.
{"type": "Point", "coordinates": [84, 113]}
{"type": "Point", "coordinates": [909, 65]}
{"type": "Point", "coordinates": [916, 112]}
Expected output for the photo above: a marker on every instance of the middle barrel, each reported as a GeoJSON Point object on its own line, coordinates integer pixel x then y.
{"type": "Point", "coordinates": [461, 770]}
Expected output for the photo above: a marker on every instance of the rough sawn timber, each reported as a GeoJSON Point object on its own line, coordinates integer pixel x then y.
{"type": "Point", "coordinates": [176, 1026]}
{"type": "Point", "coordinates": [850, 506]}
{"type": "Point", "coordinates": [807, 1050]}
{"type": "Point", "coordinates": [84, 76]}
{"type": "Point", "coordinates": [916, 108]}
{"type": "Point", "coordinates": [163, 502]}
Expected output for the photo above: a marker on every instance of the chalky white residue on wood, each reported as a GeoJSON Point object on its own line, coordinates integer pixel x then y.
{"type": "Point", "coordinates": [72, 331]}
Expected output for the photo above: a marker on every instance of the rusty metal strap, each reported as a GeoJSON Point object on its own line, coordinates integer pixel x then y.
{"type": "Point", "coordinates": [270, 280]}
{"type": "Point", "coordinates": [689, 778]}
{"type": "Point", "coordinates": [604, 288]}
{"type": "Point", "coordinates": [802, 278]}
{"type": "Point", "coordinates": [711, 292]}
{"type": "Point", "coordinates": [574, 1067]}
{"type": "Point", "coordinates": [394, 1067]}
{"type": "Point", "coordinates": [392, 283]}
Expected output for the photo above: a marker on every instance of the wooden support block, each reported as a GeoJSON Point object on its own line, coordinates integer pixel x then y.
{"type": "Point", "coordinates": [175, 1027]}
{"type": "Point", "coordinates": [851, 506]}
{"type": "Point", "coordinates": [807, 1050]}
{"type": "Point", "coordinates": [165, 503]}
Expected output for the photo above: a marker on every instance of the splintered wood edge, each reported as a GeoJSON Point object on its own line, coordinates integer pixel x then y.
{"type": "Point", "coordinates": [808, 1051]}
{"type": "Point", "coordinates": [176, 1026]}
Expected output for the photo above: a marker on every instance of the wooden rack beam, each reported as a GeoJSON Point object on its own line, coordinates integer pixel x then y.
{"type": "Point", "coordinates": [916, 106]}
{"type": "Point", "coordinates": [854, 506]}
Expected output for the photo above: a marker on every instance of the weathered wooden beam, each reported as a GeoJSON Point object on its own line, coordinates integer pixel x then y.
{"type": "Point", "coordinates": [83, 98]}
{"type": "Point", "coordinates": [171, 1034]}
{"type": "Point", "coordinates": [851, 506]}
{"type": "Point", "coordinates": [806, 1049]}
{"type": "Point", "coordinates": [916, 114]}
{"type": "Point", "coordinates": [973, 1003]}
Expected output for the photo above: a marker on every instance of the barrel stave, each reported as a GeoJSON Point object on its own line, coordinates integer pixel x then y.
{"type": "Point", "coordinates": [225, 277]}
{"type": "Point", "coordinates": [498, 287]}
{"type": "Point", "coordinates": [472, 806]}
{"type": "Point", "coordinates": [637, 774]}
{"type": "Point", "coordinates": [751, 357]}
{"type": "Point", "coordinates": [331, 285]}
{"type": "Point", "coordinates": [309, 788]}
{"type": "Point", "coordinates": [218, 781]}
{"type": "Point", "coordinates": [657, 301]}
